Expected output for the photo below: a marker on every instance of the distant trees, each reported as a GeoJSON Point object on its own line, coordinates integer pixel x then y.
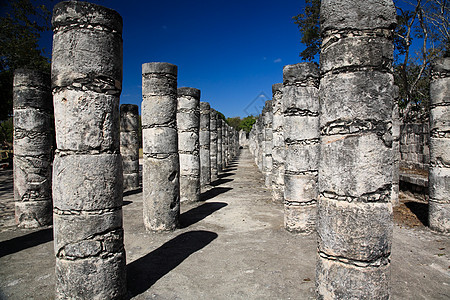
{"type": "Point", "coordinates": [245, 124]}
{"type": "Point", "coordinates": [424, 20]}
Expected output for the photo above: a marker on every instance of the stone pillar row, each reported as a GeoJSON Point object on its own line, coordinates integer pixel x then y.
{"type": "Point", "coordinates": [332, 163]}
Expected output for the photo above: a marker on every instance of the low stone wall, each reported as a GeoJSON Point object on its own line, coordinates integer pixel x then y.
{"type": "Point", "coordinates": [414, 149]}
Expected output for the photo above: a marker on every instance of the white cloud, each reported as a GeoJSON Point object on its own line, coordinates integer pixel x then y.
{"type": "Point", "coordinates": [277, 60]}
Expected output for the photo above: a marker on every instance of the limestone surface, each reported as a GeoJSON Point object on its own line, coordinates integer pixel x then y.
{"type": "Point", "coordinates": [300, 109]}
{"type": "Point", "coordinates": [356, 158]}
{"type": "Point", "coordinates": [33, 148]}
{"type": "Point", "coordinates": [439, 172]}
{"type": "Point", "coordinates": [87, 169]}
{"type": "Point", "coordinates": [278, 148]}
{"type": "Point", "coordinates": [129, 145]}
{"type": "Point", "coordinates": [161, 166]}
{"type": "Point", "coordinates": [205, 142]}
{"type": "Point", "coordinates": [188, 123]}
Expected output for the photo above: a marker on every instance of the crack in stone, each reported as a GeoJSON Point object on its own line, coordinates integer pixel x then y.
{"type": "Point", "coordinates": [76, 212]}
{"type": "Point", "coordinates": [333, 36]}
{"type": "Point", "coordinates": [378, 262]}
{"type": "Point", "coordinates": [312, 202]}
{"type": "Point", "coordinates": [436, 133]}
{"type": "Point", "coordinates": [77, 24]}
{"type": "Point", "coordinates": [314, 173]}
{"type": "Point", "coordinates": [294, 111]}
{"type": "Point", "coordinates": [313, 141]}
{"type": "Point", "coordinates": [381, 195]}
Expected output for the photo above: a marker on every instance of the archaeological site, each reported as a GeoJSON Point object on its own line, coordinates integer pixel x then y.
{"type": "Point", "coordinates": [329, 194]}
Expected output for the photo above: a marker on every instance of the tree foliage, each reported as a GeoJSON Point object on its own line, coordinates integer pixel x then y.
{"type": "Point", "coordinates": [20, 28]}
{"type": "Point", "coordinates": [426, 21]}
{"type": "Point", "coordinates": [245, 124]}
{"type": "Point", "coordinates": [309, 26]}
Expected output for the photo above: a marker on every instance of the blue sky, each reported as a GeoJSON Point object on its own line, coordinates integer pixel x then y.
{"type": "Point", "coordinates": [233, 51]}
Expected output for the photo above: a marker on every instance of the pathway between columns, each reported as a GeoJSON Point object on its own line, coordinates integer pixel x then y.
{"type": "Point", "coordinates": [232, 245]}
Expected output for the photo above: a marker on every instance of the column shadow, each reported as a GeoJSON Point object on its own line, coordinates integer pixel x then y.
{"type": "Point", "coordinates": [198, 213]}
{"type": "Point", "coordinates": [145, 271]}
{"type": "Point", "coordinates": [26, 241]}
{"type": "Point", "coordinates": [420, 210]}
{"type": "Point", "coordinates": [213, 193]}
{"type": "Point", "coordinates": [221, 181]}
{"type": "Point", "coordinates": [225, 175]}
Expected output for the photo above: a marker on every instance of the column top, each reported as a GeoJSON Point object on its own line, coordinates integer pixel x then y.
{"type": "Point", "coordinates": [131, 108]}
{"type": "Point", "coordinates": [441, 65]}
{"type": "Point", "coordinates": [357, 14]}
{"type": "Point", "coordinates": [76, 12]}
{"type": "Point", "coordinates": [299, 72]}
{"type": "Point", "coordinates": [188, 91]}
{"type": "Point", "coordinates": [159, 67]}
{"type": "Point", "coordinates": [277, 87]}
{"type": "Point", "coordinates": [205, 106]}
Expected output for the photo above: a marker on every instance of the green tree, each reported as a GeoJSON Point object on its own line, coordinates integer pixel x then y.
{"type": "Point", "coordinates": [20, 28]}
{"type": "Point", "coordinates": [247, 123]}
{"type": "Point", "coordinates": [309, 26]}
{"type": "Point", "coordinates": [234, 122]}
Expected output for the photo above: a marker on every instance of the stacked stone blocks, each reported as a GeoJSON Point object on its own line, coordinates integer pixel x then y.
{"type": "Point", "coordinates": [87, 169]}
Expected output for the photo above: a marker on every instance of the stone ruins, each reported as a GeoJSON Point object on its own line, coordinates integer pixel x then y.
{"type": "Point", "coordinates": [33, 148]}
{"type": "Point", "coordinates": [188, 122]}
{"type": "Point", "coordinates": [161, 167]}
{"type": "Point", "coordinates": [87, 169]}
{"type": "Point", "coordinates": [129, 145]}
{"type": "Point", "coordinates": [329, 146]}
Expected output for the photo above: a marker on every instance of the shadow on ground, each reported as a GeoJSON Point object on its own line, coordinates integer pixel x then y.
{"type": "Point", "coordinates": [198, 213]}
{"type": "Point", "coordinates": [420, 210]}
{"type": "Point", "coordinates": [145, 271]}
{"type": "Point", "coordinates": [213, 193]}
{"type": "Point", "coordinates": [26, 241]}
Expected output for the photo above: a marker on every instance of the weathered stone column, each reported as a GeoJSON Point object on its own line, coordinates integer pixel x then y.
{"type": "Point", "coordinates": [33, 141]}
{"type": "Point", "coordinates": [355, 170]}
{"type": "Point", "coordinates": [161, 169]}
{"type": "Point", "coordinates": [188, 122]}
{"type": "Point", "coordinates": [300, 106]}
{"type": "Point", "coordinates": [225, 144]}
{"type": "Point", "coordinates": [278, 152]}
{"type": "Point", "coordinates": [268, 117]}
{"type": "Point", "coordinates": [129, 145]}
{"type": "Point", "coordinates": [87, 170]}
{"type": "Point", "coordinates": [219, 144]}
{"type": "Point", "coordinates": [205, 157]}
{"type": "Point", "coordinates": [395, 151]}
{"type": "Point", "coordinates": [213, 144]}
{"type": "Point", "coordinates": [439, 173]}
{"type": "Point", "coordinates": [259, 142]}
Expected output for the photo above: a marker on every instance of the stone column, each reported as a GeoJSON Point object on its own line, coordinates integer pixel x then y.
{"type": "Point", "coordinates": [268, 117]}
{"type": "Point", "coordinates": [205, 157]}
{"type": "Point", "coordinates": [188, 122]}
{"type": "Point", "coordinates": [161, 170]}
{"type": "Point", "coordinates": [278, 152]}
{"type": "Point", "coordinates": [439, 173]}
{"type": "Point", "coordinates": [213, 144]}
{"type": "Point", "coordinates": [355, 170]}
{"type": "Point", "coordinates": [129, 145]}
{"type": "Point", "coordinates": [395, 150]}
{"type": "Point", "coordinates": [87, 169]}
{"type": "Point", "coordinates": [300, 106]}
{"type": "Point", "coordinates": [225, 144]}
{"type": "Point", "coordinates": [219, 144]}
{"type": "Point", "coordinates": [33, 141]}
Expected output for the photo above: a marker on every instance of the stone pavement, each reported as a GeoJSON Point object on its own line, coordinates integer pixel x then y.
{"type": "Point", "coordinates": [231, 245]}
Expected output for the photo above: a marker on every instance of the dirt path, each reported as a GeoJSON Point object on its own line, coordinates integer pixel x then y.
{"type": "Point", "coordinates": [231, 245]}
